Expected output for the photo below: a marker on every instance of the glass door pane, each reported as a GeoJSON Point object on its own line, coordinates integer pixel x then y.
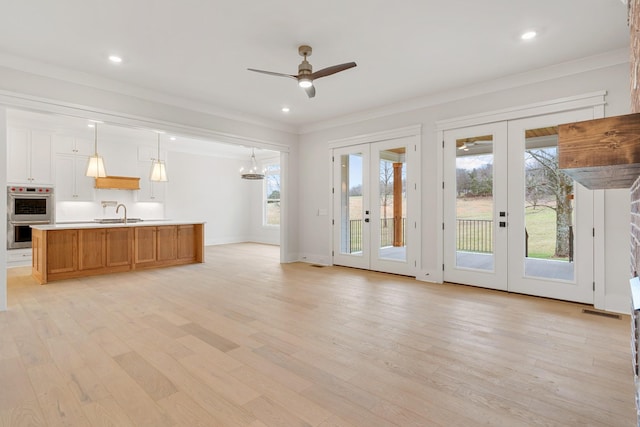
{"type": "Point", "coordinates": [474, 203]}
{"type": "Point", "coordinates": [548, 209]}
{"type": "Point", "coordinates": [351, 206]}
{"type": "Point", "coordinates": [392, 204]}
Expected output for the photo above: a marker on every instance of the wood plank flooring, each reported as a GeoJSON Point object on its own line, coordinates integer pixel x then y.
{"type": "Point", "coordinates": [242, 340]}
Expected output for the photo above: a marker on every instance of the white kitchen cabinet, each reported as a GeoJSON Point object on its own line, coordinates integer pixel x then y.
{"type": "Point", "coordinates": [150, 191]}
{"type": "Point", "coordinates": [73, 145]}
{"type": "Point", "coordinates": [19, 257]}
{"type": "Point", "coordinates": [29, 159]}
{"type": "Point", "coordinates": [71, 182]}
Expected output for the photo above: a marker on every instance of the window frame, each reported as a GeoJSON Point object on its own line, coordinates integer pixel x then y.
{"type": "Point", "coordinates": [268, 168]}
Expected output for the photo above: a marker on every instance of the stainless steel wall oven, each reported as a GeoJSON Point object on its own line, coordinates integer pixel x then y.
{"type": "Point", "coordinates": [27, 206]}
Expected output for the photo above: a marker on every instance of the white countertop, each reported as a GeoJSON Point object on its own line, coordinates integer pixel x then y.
{"type": "Point", "coordinates": [92, 224]}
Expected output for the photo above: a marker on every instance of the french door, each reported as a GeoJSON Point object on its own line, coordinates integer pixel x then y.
{"type": "Point", "coordinates": [512, 220]}
{"type": "Point", "coordinates": [375, 198]}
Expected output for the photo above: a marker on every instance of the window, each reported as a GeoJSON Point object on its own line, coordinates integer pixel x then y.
{"type": "Point", "coordinates": [272, 195]}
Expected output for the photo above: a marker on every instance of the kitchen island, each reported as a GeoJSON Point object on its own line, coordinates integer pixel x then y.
{"type": "Point", "coordinates": [65, 251]}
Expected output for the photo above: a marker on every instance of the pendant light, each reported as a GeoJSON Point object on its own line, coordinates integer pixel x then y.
{"type": "Point", "coordinates": [158, 168]}
{"type": "Point", "coordinates": [252, 172]}
{"type": "Point", "coordinates": [95, 167]}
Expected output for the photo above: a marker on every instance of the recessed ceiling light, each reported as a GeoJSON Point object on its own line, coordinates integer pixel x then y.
{"type": "Point", "coordinates": [115, 59]}
{"type": "Point", "coordinates": [528, 35]}
{"type": "Point", "coordinates": [91, 125]}
{"type": "Point", "coordinates": [285, 109]}
{"type": "Point", "coordinates": [172, 138]}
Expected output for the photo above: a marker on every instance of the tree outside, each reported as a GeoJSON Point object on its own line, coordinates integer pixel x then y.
{"type": "Point", "coordinates": [547, 187]}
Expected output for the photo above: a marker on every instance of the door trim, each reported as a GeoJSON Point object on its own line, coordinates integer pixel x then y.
{"type": "Point", "coordinates": [414, 130]}
{"type": "Point", "coordinates": [578, 102]}
{"type": "Point", "coordinates": [595, 100]}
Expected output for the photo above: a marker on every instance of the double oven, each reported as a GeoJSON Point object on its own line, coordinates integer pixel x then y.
{"type": "Point", "coordinates": [27, 206]}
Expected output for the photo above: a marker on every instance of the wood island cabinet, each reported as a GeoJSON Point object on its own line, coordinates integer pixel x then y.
{"type": "Point", "coordinates": [69, 253]}
{"type": "Point", "coordinates": [119, 247]}
{"type": "Point", "coordinates": [99, 248]}
{"type": "Point", "coordinates": [167, 243]}
{"type": "Point", "coordinates": [62, 247]}
{"type": "Point", "coordinates": [186, 237]}
{"type": "Point", "coordinates": [145, 246]}
{"type": "Point", "coordinates": [92, 248]}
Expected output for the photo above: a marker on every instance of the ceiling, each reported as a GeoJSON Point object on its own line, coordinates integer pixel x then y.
{"type": "Point", "coordinates": [196, 53]}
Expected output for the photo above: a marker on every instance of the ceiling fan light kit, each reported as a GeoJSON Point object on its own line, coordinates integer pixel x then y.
{"type": "Point", "coordinates": [306, 76]}
{"type": "Point", "coordinates": [305, 83]}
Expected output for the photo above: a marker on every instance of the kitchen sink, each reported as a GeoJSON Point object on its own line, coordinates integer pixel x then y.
{"type": "Point", "coordinates": [117, 220]}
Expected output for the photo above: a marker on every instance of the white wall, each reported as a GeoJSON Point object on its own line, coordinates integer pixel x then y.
{"type": "Point", "coordinates": [209, 189]}
{"type": "Point", "coordinates": [315, 231]}
{"type": "Point", "coordinates": [617, 245]}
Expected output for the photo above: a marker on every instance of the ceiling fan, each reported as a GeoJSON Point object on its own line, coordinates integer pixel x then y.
{"type": "Point", "coordinates": [466, 144]}
{"type": "Point", "coordinates": [306, 76]}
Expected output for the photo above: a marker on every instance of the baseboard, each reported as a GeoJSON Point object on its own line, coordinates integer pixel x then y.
{"type": "Point", "coordinates": [226, 241]}
{"type": "Point", "coordinates": [315, 259]}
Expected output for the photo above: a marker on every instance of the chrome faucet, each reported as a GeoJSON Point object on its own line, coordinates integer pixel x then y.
{"type": "Point", "coordinates": [125, 211]}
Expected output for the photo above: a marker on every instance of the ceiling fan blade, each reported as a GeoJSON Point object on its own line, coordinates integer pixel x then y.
{"type": "Point", "coordinates": [311, 91]}
{"type": "Point", "coordinates": [332, 70]}
{"type": "Point", "coordinates": [271, 73]}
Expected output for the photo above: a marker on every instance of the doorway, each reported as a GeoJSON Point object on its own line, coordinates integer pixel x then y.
{"type": "Point", "coordinates": [512, 220]}
{"type": "Point", "coordinates": [375, 199]}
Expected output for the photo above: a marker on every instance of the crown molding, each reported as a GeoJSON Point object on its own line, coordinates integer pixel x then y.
{"type": "Point", "coordinates": [608, 59]}
{"type": "Point", "coordinates": [85, 79]}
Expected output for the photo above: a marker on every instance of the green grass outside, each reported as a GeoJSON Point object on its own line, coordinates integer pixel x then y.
{"type": "Point", "coordinates": [541, 226]}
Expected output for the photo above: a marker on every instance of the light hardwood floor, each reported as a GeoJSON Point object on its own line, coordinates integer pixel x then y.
{"type": "Point", "coordinates": [244, 341]}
